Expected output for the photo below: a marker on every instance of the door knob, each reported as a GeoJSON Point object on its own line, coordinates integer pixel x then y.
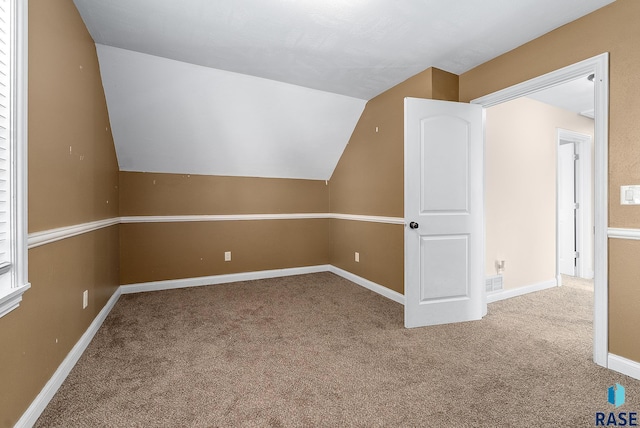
{"type": "Point", "coordinates": [413, 225]}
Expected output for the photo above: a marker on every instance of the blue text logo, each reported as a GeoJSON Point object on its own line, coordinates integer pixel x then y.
{"type": "Point", "coordinates": [616, 395]}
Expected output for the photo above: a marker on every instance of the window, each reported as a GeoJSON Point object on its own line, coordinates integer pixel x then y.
{"type": "Point", "coordinates": [13, 172]}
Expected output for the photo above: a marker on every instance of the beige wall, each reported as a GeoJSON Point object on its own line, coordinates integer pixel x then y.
{"type": "Point", "coordinates": [520, 199]}
{"type": "Point", "coordinates": [179, 194]}
{"type": "Point", "coordinates": [624, 316]}
{"type": "Point", "coordinates": [380, 248]}
{"type": "Point", "coordinates": [369, 180]}
{"type": "Point", "coordinates": [611, 29]}
{"type": "Point", "coordinates": [163, 251]}
{"type": "Point", "coordinates": [73, 171]}
{"type": "Point", "coordinates": [66, 187]}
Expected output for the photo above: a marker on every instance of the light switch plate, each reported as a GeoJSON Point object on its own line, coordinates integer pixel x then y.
{"type": "Point", "coordinates": [630, 195]}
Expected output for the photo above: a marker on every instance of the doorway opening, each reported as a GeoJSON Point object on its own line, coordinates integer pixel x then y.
{"type": "Point", "coordinates": [574, 205]}
{"type": "Point", "coordinates": [599, 67]}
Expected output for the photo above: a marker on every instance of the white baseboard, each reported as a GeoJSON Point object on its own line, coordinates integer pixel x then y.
{"type": "Point", "coordinates": [219, 279]}
{"type": "Point", "coordinates": [623, 365]}
{"type": "Point", "coordinates": [376, 288]}
{"type": "Point", "coordinates": [514, 292]}
{"type": "Point", "coordinates": [38, 405]}
{"type": "Point", "coordinates": [249, 276]}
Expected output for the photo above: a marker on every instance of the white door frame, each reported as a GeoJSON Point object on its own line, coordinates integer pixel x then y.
{"type": "Point", "coordinates": [584, 226]}
{"type": "Point", "coordinates": [600, 66]}
{"type": "Point", "coordinates": [566, 221]}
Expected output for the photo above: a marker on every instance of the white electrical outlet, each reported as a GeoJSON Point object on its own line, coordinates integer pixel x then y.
{"type": "Point", "coordinates": [357, 257]}
{"type": "Point", "coordinates": [227, 256]}
{"type": "Point", "coordinates": [85, 299]}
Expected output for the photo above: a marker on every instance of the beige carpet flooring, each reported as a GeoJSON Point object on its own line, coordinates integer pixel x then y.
{"type": "Point", "coordinates": [318, 351]}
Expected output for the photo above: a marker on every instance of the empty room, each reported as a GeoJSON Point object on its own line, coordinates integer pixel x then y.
{"type": "Point", "coordinates": [292, 213]}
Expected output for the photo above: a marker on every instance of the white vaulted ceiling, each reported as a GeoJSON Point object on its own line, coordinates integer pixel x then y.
{"type": "Point", "coordinates": [346, 50]}
{"type": "Point", "coordinates": [174, 117]}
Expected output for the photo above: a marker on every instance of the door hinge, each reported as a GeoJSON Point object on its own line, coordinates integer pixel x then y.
{"type": "Point", "coordinates": [577, 254]}
{"type": "Point", "coordinates": [576, 157]}
{"type": "Point", "coordinates": [576, 206]}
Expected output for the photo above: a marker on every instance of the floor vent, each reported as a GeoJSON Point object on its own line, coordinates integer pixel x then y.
{"type": "Point", "coordinates": [493, 283]}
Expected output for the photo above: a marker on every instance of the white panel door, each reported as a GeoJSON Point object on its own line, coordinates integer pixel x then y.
{"type": "Point", "coordinates": [444, 212]}
{"type": "Point", "coordinates": [566, 209]}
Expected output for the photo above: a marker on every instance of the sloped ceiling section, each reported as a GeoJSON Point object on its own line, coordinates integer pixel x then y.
{"type": "Point", "coordinates": [175, 117]}
{"type": "Point", "coordinates": [174, 109]}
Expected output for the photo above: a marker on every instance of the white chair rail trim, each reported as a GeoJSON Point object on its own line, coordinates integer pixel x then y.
{"type": "Point", "coordinates": [37, 239]}
{"type": "Point", "coordinates": [52, 235]}
{"type": "Point", "coordinates": [619, 233]}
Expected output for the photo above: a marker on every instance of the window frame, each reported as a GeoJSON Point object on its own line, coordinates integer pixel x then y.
{"type": "Point", "coordinates": [11, 297]}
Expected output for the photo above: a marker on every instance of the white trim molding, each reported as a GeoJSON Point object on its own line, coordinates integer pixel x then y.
{"type": "Point", "coordinates": [230, 217]}
{"type": "Point", "coordinates": [376, 288]}
{"type": "Point", "coordinates": [599, 66]}
{"type": "Point", "coordinates": [619, 233]}
{"type": "Point", "coordinates": [52, 235]}
{"type": "Point", "coordinates": [520, 291]}
{"type": "Point", "coordinates": [557, 77]}
{"type": "Point", "coordinates": [15, 270]}
{"type": "Point", "coordinates": [582, 183]}
{"type": "Point", "coordinates": [22, 137]}
{"type": "Point", "coordinates": [250, 276]}
{"type": "Point", "coordinates": [218, 279]}
{"type": "Point", "coordinates": [37, 239]}
{"type": "Point", "coordinates": [31, 415]}
{"type": "Point", "coordinates": [368, 218]}
{"type": "Point", "coordinates": [264, 274]}
{"type": "Point", "coordinates": [12, 300]}
{"type": "Point", "coordinates": [625, 366]}
{"type": "Point", "coordinates": [246, 217]}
